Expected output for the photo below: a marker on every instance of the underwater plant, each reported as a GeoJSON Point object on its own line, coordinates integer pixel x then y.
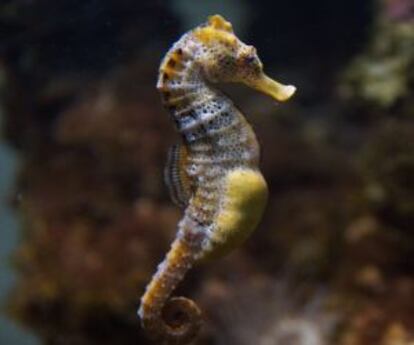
{"type": "Point", "coordinates": [213, 174]}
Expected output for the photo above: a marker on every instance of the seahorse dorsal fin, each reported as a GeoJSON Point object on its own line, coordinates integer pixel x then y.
{"type": "Point", "coordinates": [218, 22]}
{"type": "Point", "coordinates": [175, 175]}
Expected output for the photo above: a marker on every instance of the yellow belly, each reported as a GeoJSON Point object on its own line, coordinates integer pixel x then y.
{"type": "Point", "coordinates": [243, 203]}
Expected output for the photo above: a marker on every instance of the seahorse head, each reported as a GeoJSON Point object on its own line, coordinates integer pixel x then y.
{"type": "Point", "coordinates": [225, 58]}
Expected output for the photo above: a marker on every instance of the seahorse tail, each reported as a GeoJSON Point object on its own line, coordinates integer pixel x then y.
{"type": "Point", "coordinates": [174, 320]}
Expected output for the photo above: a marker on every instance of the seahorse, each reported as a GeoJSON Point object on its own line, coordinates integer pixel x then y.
{"type": "Point", "coordinates": [213, 173]}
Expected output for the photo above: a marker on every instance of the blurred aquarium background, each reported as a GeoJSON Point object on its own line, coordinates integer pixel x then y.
{"type": "Point", "coordinates": [84, 215]}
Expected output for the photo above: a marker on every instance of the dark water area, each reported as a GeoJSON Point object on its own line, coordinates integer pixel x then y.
{"type": "Point", "coordinates": [84, 214]}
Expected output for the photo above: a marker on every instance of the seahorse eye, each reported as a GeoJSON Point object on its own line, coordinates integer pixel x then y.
{"type": "Point", "coordinates": [249, 59]}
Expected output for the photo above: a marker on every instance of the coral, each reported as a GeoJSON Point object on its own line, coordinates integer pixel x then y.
{"type": "Point", "coordinates": [383, 73]}
{"type": "Point", "coordinates": [387, 165]}
{"type": "Point", "coordinates": [265, 312]}
{"type": "Point", "coordinates": [71, 259]}
{"type": "Point", "coordinates": [385, 319]}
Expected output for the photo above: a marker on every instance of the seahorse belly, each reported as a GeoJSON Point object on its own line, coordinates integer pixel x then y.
{"type": "Point", "coordinates": [243, 202]}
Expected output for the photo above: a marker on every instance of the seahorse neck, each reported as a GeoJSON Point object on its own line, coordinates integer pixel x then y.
{"type": "Point", "coordinates": [213, 129]}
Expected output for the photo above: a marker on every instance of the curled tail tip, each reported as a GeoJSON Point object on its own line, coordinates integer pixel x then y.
{"type": "Point", "coordinates": [179, 322]}
{"type": "Point", "coordinates": [183, 318]}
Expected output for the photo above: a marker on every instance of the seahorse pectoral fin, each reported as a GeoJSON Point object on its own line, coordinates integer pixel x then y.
{"type": "Point", "coordinates": [272, 88]}
{"type": "Point", "coordinates": [175, 175]}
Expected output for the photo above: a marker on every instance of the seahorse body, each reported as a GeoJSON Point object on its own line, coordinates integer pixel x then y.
{"type": "Point", "coordinates": [214, 173]}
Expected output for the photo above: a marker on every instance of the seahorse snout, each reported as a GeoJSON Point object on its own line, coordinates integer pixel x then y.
{"type": "Point", "coordinates": [270, 87]}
